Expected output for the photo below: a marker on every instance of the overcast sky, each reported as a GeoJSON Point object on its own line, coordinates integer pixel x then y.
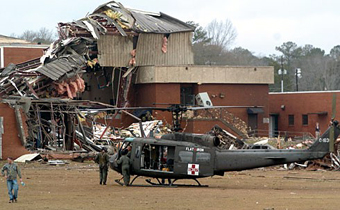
{"type": "Point", "coordinates": [261, 24]}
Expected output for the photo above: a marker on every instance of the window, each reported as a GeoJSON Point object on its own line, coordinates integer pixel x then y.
{"type": "Point", "coordinates": [185, 156]}
{"type": "Point", "coordinates": [290, 119]}
{"type": "Point", "coordinates": [304, 119]}
{"type": "Point", "coordinates": [203, 157]}
{"type": "Point", "coordinates": [187, 95]}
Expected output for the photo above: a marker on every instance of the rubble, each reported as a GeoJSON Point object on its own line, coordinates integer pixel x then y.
{"type": "Point", "coordinates": [228, 141]}
{"type": "Point", "coordinates": [44, 87]}
{"type": "Point", "coordinates": [234, 123]}
{"type": "Point", "coordinates": [56, 162]}
{"type": "Point", "coordinates": [28, 158]}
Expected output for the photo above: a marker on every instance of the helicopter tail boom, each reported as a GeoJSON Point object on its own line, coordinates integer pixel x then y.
{"type": "Point", "coordinates": [237, 160]}
{"type": "Point", "coordinates": [323, 143]}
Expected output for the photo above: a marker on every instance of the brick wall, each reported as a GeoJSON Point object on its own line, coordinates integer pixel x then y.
{"type": "Point", "coordinates": [313, 104]}
{"type": "Point", "coordinates": [234, 95]}
{"type": "Point", "coordinates": [11, 145]}
{"type": "Point", "coordinates": [19, 55]}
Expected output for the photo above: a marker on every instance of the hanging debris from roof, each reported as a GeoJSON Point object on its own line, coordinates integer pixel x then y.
{"type": "Point", "coordinates": [51, 81]}
{"type": "Point", "coordinates": [76, 50]}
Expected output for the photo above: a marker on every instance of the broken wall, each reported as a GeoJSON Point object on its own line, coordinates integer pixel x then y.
{"type": "Point", "coordinates": [115, 50]}
{"type": "Point", "coordinates": [99, 87]}
{"type": "Point", "coordinates": [11, 144]}
{"type": "Point", "coordinates": [179, 49]}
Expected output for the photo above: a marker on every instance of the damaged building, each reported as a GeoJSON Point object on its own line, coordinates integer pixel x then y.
{"type": "Point", "coordinates": [121, 57]}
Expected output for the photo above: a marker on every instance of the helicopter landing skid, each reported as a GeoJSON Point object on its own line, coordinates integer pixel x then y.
{"type": "Point", "coordinates": [140, 185]}
{"type": "Point", "coordinates": [161, 183]}
{"type": "Point", "coordinates": [171, 183]}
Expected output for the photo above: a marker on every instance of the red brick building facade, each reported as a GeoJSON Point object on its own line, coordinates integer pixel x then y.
{"type": "Point", "coordinates": [16, 51]}
{"type": "Point", "coordinates": [300, 111]}
{"type": "Point", "coordinates": [11, 144]}
{"type": "Point", "coordinates": [225, 85]}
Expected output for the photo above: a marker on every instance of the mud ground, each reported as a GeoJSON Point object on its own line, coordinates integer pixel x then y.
{"type": "Point", "coordinates": [76, 186]}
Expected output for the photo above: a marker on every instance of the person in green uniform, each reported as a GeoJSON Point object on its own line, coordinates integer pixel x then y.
{"type": "Point", "coordinates": [102, 159]}
{"type": "Point", "coordinates": [129, 148]}
{"type": "Point", "coordinates": [10, 171]}
{"type": "Point", "coordinates": [125, 161]}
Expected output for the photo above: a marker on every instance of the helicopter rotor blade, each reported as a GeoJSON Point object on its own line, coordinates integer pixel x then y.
{"type": "Point", "coordinates": [128, 108]}
{"type": "Point", "coordinates": [221, 107]}
{"type": "Point", "coordinates": [168, 108]}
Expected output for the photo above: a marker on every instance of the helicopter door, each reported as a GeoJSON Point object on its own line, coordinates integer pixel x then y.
{"type": "Point", "coordinates": [194, 161]}
{"type": "Point", "coordinates": [205, 159]}
{"type": "Point", "coordinates": [183, 157]}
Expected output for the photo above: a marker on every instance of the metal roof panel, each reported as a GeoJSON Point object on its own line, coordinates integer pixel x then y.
{"type": "Point", "coordinates": [57, 68]}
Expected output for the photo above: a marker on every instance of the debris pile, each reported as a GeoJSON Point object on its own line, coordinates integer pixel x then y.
{"type": "Point", "coordinates": [238, 126]}
{"type": "Point", "coordinates": [153, 128]}
{"type": "Point", "coordinates": [43, 87]}
{"type": "Point", "coordinates": [228, 141]}
{"type": "Point", "coordinates": [58, 73]}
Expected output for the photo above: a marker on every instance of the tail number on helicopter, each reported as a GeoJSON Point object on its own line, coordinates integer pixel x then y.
{"type": "Point", "coordinates": [324, 140]}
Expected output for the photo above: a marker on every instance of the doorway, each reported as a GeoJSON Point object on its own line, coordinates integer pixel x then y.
{"type": "Point", "coordinates": [273, 125]}
{"type": "Point", "coordinates": [252, 123]}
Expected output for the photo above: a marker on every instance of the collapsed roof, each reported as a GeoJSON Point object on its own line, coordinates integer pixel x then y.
{"type": "Point", "coordinates": [58, 72]}
{"type": "Point", "coordinates": [113, 17]}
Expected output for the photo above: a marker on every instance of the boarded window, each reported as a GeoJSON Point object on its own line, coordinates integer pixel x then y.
{"type": "Point", "coordinates": [290, 119]}
{"type": "Point", "coordinates": [203, 157]}
{"type": "Point", "coordinates": [304, 119]}
{"type": "Point", "coordinates": [185, 157]}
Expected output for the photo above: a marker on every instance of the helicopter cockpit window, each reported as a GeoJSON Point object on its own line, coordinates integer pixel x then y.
{"type": "Point", "coordinates": [125, 145]}
{"type": "Point", "coordinates": [203, 157]}
{"type": "Point", "coordinates": [185, 156]}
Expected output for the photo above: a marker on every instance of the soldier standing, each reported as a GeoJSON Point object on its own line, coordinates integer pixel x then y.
{"type": "Point", "coordinates": [10, 171]}
{"type": "Point", "coordinates": [102, 159]}
{"type": "Point", "coordinates": [125, 161]}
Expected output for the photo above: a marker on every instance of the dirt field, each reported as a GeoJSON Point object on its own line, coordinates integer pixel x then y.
{"type": "Point", "coordinates": [76, 186]}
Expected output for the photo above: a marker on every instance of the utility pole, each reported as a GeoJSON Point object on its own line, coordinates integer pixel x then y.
{"type": "Point", "coordinates": [296, 81]}
{"type": "Point", "coordinates": [282, 72]}
{"type": "Point", "coordinates": [297, 77]}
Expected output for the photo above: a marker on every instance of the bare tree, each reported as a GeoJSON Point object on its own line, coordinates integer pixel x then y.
{"type": "Point", "coordinates": [43, 35]}
{"type": "Point", "coordinates": [221, 33]}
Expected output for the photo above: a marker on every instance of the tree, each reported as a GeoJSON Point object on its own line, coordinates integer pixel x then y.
{"type": "Point", "coordinates": [200, 35]}
{"type": "Point", "coordinates": [221, 33]}
{"type": "Point", "coordinates": [335, 52]}
{"type": "Point", "coordinates": [243, 57]}
{"type": "Point", "coordinates": [290, 51]}
{"type": "Point", "coordinates": [210, 44]}
{"type": "Point", "coordinates": [43, 35]}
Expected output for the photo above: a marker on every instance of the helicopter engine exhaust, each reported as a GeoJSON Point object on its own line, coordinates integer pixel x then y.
{"type": "Point", "coordinates": [204, 140]}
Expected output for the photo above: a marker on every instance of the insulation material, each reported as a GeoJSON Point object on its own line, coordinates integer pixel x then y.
{"type": "Point", "coordinates": [69, 89]}
{"type": "Point", "coordinates": [165, 44]}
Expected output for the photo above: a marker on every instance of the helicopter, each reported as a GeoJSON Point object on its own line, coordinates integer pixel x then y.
{"type": "Point", "coordinates": [191, 156]}
{"type": "Point", "coordinates": [177, 156]}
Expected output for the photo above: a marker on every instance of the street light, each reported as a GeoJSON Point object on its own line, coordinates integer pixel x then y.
{"type": "Point", "coordinates": [281, 72]}
{"type": "Point", "coordinates": [298, 76]}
